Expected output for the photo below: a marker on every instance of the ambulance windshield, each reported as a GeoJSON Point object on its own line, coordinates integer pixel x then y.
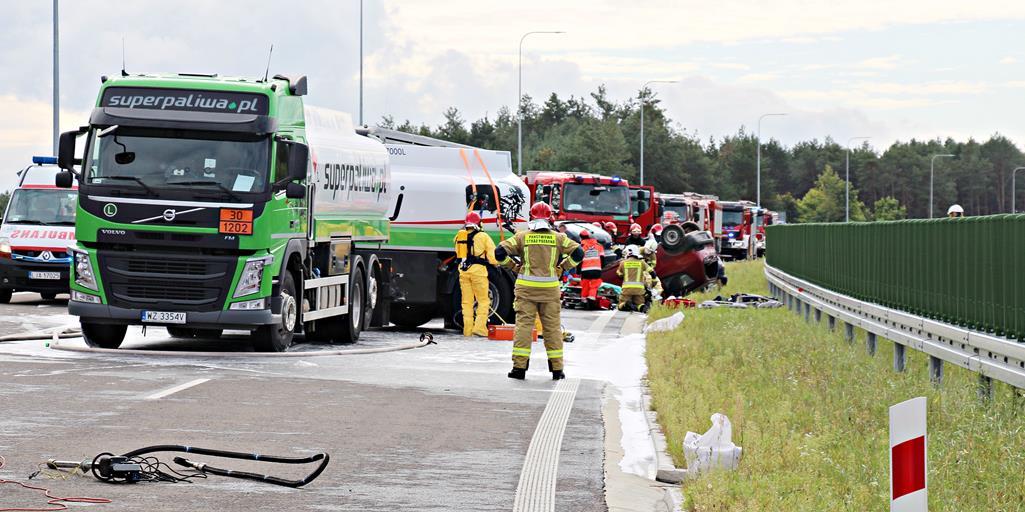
{"type": "Point", "coordinates": [156, 161]}
{"type": "Point", "coordinates": [42, 207]}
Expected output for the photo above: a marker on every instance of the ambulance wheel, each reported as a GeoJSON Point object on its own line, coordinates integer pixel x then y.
{"type": "Point", "coordinates": [48, 295]}
{"type": "Point", "coordinates": [278, 337]}
{"type": "Point", "coordinates": [103, 335]}
{"type": "Point", "coordinates": [411, 316]}
{"type": "Point", "coordinates": [5, 295]}
{"type": "Point", "coordinates": [346, 329]}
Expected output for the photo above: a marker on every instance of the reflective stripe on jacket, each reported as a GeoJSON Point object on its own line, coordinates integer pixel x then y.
{"type": "Point", "coordinates": [633, 272]}
{"type": "Point", "coordinates": [593, 251]}
{"type": "Point", "coordinates": [542, 253]}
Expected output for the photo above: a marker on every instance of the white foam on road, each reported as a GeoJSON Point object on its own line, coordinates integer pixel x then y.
{"type": "Point", "coordinates": [620, 362]}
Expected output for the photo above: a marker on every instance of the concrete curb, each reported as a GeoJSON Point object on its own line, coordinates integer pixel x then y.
{"type": "Point", "coordinates": [666, 471]}
{"type": "Point", "coordinates": [237, 355]}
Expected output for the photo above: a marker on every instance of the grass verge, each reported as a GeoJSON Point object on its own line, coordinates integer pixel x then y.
{"type": "Point", "coordinates": [811, 412]}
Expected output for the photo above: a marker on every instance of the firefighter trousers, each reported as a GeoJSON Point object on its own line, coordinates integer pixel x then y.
{"type": "Point", "coordinates": [631, 297]}
{"type": "Point", "coordinates": [474, 288]}
{"type": "Point", "coordinates": [526, 313]}
{"type": "Point", "coordinates": [589, 288]}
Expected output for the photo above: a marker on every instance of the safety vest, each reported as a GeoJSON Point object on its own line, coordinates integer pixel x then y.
{"type": "Point", "coordinates": [592, 255]}
{"type": "Point", "coordinates": [541, 252]}
{"type": "Point", "coordinates": [633, 273]}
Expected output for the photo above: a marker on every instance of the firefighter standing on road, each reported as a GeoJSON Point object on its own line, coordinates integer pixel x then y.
{"type": "Point", "coordinates": [635, 272]}
{"type": "Point", "coordinates": [476, 252]}
{"type": "Point", "coordinates": [590, 269]}
{"type": "Point", "coordinates": [544, 253]}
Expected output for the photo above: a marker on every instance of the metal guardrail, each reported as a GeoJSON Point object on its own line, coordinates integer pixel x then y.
{"type": "Point", "coordinates": [991, 356]}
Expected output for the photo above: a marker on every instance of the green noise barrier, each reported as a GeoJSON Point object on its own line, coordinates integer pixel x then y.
{"type": "Point", "coordinates": [968, 272]}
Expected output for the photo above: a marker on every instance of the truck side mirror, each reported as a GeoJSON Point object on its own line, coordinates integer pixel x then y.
{"type": "Point", "coordinates": [64, 179]}
{"type": "Point", "coordinates": [298, 161]}
{"type": "Point", "coordinates": [295, 191]}
{"type": "Point", "coordinates": [66, 150]}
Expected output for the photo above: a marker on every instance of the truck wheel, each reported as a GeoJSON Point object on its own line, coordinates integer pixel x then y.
{"type": "Point", "coordinates": [48, 295]}
{"type": "Point", "coordinates": [5, 295]}
{"type": "Point", "coordinates": [501, 294]}
{"type": "Point", "coordinates": [346, 329]}
{"type": "Point", "coordinates": [278, 337]}
{"type": "Point", "coordinates": [411, 316]}
{"type": "Point", "coordinates": [103, 335]}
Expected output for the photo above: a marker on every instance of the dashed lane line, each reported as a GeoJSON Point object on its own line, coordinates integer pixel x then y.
{"type": "Point", "coordinates": [170, 391]}
{"type": "Point", "coordinates": [536, 489]}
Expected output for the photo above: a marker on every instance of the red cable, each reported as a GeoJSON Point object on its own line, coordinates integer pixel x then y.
{"type": "Point", "coordinates": [54, 500]}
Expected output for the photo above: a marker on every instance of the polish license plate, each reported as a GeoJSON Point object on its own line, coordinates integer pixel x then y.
{"type": "Point", "coordinates": [53, 276]}
{"type": "Point", "coordinates": [163, 317]}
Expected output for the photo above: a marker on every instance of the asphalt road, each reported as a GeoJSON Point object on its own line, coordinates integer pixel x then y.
{"type": "Point", "coordinates": [433, 428]}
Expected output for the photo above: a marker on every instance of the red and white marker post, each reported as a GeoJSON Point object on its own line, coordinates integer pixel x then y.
{"type": "Point", "coordinates": [909, 472]}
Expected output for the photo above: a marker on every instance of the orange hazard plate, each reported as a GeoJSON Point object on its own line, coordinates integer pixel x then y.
{"type": "Point", "coordinates": [235, 228]}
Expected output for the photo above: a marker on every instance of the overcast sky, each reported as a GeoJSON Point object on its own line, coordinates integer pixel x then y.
{"type": "Point", "coordinates": [889, 69]}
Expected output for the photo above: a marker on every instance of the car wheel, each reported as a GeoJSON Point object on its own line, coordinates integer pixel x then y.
{"type": "Point", "coordinates": [5, 295]}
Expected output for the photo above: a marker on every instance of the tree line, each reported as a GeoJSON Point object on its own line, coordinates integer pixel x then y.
{"type": "Point", "coordinates": [601, 135]}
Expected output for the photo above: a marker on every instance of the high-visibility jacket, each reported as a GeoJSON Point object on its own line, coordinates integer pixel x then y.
{"type": "Point", "coordinates": [593, 252]}
{"type": "Point", "coordinates": [544, 253]}
{"type": "Point", "coordinates": [475, 247]}
{"type": "Point", "coordinates": [634, 273]}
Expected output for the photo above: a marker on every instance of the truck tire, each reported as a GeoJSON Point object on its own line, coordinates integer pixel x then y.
{"type": "Point", "coordinates": [103, 335]}
{"type": "Point", "coordinates": [278, 337]}
{"type": "Point", "coordinates": [5, 295]}
{"type": "Point", "coordinates": [500, 291]}
{"type": "Point", "coordinates": [346, 329]}
{"type": "Point", "coordinates": [411, 316]}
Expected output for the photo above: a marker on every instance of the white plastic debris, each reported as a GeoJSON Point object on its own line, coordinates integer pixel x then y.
{"type": "Point", "coordinates": [713, 449]}
{"type": "Point", "coordinates": [665, 324]}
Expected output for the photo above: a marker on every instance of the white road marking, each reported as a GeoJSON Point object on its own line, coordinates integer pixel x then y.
{"type": "Point", "coordinates": [536, 490]}
{"type": "Point", "coordinates": [180, 387]}
{"type": "Point", "coordinates": [603, 319]}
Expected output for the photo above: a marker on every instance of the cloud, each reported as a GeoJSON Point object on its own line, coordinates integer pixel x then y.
{"type": "Point", "coordinates": [27, 132]}
{"type": "Point", "coordinates": [1009, 60]}
{"type": "Point", "coordinates": [889, 62]}
{"type": "Point", "coordinates": [758, 77]}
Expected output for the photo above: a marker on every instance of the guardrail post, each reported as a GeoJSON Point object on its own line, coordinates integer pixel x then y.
{"type": "Point", "coordinates": [936, 370]}
{"type": "Point", "coordinates": [848, 332]}
{"type": "Point", "coordinates": [807, 312]}
{"type": "Point", "coordinates": [831, 321]}
{"type": "Point", "coordinates": [985, 387]}
{"type": "Point", "coordinates": [899, 358]}
{"type": "Point", "coordinates": [870, 343]}
{"type": "Point", "coordinates": [818, 316]}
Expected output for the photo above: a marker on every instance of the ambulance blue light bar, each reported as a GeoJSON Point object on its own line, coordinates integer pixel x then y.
{"type": "Point", "coordinates": [44, 160]}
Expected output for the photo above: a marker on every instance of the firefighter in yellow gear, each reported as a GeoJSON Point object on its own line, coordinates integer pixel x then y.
{"type": "Point", "coordinates": [476, 252]}
{"type": "Point", "coordinates": [544, 253]}
{"type": "Point", "coordinates": [635, 273]}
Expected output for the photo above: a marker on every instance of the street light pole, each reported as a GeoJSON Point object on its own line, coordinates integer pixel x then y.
{"type": "Point", "coordinates": [644, 88]}
{"type": "Point", "coordinates": [519, 99]}
{"type": "Point", "coordinates": [758, 159]}
{"type": "Point", "coordinates": [56, 79]}
{"type": "Point", "coordinates": [847, 179]}
{"type": "Point", "coordinates": [360, 62]}
{"type": "Point", "coordinates": [932, 174]}
{"type": "Point", "coordinates": [1013, 173]}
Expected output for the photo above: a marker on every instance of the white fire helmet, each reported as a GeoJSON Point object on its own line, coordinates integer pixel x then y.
{"type": "Point", "coordinates": [955, 209]}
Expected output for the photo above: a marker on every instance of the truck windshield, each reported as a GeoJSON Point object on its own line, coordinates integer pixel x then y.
{"type": "Point", "coordinates": [596, 199]}
{"type": "Point", "coordinates": [679, 209]}
{"type": "Point", "coordinates": [175, 160]}
{"type": "Point", "coordinates": [732, 218]}
{"type": "Point", "coordinates": [42, 207]}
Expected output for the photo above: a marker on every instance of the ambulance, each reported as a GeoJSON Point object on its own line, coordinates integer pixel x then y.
{"type": "Point", "coordinates": [38, 226]}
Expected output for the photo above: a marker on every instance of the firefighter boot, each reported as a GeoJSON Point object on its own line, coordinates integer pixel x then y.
{"type": "Point", "coordinates": [556, 374]}
{"type": "Point", "coordinates": [518, 373]}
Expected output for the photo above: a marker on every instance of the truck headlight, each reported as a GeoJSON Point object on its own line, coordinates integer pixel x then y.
{"type": "Point", "coordinates": [249, 305]}
{"type": "Point", "coordinates": [5, 248]}
{"type": "Point", "coordinates": [83, 268]}
{"type": "Point", "coordinates": [252, 277]}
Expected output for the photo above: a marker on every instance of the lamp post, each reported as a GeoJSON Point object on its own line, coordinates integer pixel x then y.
{"type": "Point", "coordinates": [932, 174]}
{"type": "Point", "coordinates": [56, 80]}
{"type": "Point", "coordinates": [1013, 173]}
{"type": "Point", "coordinates": [644, 88]}
{"type": "Point", "coordinates": [758, 159]}
{"type": "Point", "coordinates": [847, 179]}
{"type": "Point", "coordinates": [360, 62]}
{"type": "Point", "coordinates": [519, 98]}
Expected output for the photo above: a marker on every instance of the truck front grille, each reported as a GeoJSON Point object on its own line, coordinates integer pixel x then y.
{"type": "Point", "coordinates": [141, 280]}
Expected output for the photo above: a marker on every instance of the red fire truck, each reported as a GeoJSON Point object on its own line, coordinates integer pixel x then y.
{"type": "Point", "coordinates": [594, 198]}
